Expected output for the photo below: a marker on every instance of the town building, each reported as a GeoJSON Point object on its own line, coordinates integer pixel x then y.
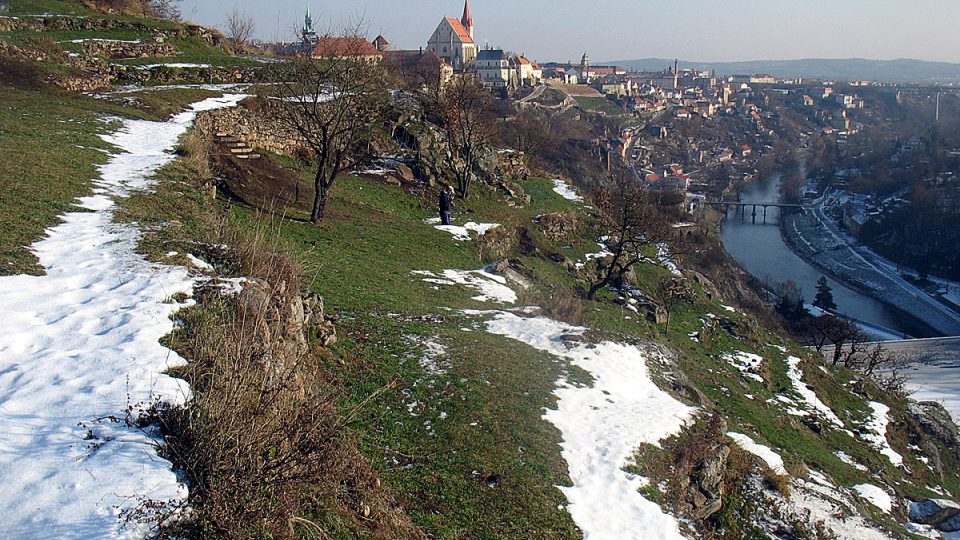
{"type": "Point", "coordinates": [354, 48]}
{"type": "Point", "coordinates": [453, 40]}
{"type": "Point", "coordinates": [494, 68]}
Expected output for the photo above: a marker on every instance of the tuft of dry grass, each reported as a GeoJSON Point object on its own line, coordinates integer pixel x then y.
{"type": "Point", "coordinates": [565, 306]}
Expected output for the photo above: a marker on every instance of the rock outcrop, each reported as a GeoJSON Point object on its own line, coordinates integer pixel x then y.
{"type": "Point", "coordinates": [286, 321]}
{"type": "Point", "coordinates": [937, 423]}
{"type": "Point", "coordinates": [942, 514]}
{"type": "Point", "coordinates": [115, 48]}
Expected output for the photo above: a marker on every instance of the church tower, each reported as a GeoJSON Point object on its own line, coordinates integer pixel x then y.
{"type": "Point", "coordinates": [467, 19]}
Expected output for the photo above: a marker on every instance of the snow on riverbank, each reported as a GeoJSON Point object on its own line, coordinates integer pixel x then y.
{"type": "Point", "coordinates": [937, 382]}
{"type": "Point", "coordinates": [81, 344]}
{"type": "Point", "coordinates": [602, 426]}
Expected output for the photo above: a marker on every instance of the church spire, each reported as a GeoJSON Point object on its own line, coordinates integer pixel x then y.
{"type": "Point", "coordinates": [467, 19]}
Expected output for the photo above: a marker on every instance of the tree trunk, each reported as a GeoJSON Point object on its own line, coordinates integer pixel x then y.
{"type": "Point", "coordinates": [320, 200]}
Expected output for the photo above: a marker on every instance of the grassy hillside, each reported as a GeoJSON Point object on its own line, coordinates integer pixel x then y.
{"type": "Point", "coordinates": [449, 416]}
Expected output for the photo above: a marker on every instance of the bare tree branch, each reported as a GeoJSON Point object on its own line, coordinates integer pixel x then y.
{"type": "Point", "coordinates": [240, 28]}
{"type": "Point", "coordinates": [336, 102]}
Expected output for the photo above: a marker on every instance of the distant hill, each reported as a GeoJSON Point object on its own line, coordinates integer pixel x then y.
{"type": "Point", "coordinates": [903, 70]}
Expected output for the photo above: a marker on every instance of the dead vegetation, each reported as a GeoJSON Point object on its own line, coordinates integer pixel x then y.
{"type": "Point", "coordinates": [261, 442]}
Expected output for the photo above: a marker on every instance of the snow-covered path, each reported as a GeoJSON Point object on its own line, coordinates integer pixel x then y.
{"type": "Point", "coordinates": [81, 344]}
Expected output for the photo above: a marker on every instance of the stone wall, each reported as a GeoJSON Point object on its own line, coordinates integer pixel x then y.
{"type": "Point", "coordinates": [256, 130]}
{"type": "Point", "coordinates": [109, 48]}
{"type": "Point", "coordinates": [87, 24]}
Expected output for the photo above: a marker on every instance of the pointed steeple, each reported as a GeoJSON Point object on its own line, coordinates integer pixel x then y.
{"type": "Point", "coordinates": [467, 19]}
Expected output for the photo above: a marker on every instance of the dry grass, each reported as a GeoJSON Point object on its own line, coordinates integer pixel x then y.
{"type": "Point", "coordinates": [565, 306]}
{"type": "Point", "coordinates": [195, 150]}
{"type": "Point", "coordinates": [261, 442]}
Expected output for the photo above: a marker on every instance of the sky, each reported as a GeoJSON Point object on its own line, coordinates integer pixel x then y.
{"type": "Point", "coordinates": [694, 30]}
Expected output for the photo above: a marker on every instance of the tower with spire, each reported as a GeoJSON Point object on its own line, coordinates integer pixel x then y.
{"type": "Point", "coordinates": [467, 20]}
{"type": "Point", "coordinates": [453, 40]}
{"type": "Point", "coordinates": [309, 34]}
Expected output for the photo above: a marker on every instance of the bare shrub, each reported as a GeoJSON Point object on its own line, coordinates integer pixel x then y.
{"type": "Point", "coordinates": [240, 27]}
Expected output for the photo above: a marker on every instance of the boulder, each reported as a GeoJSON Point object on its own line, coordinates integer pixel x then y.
{"type": "Point", "coordinates": [557, 226]}
{"type": "Point", "coordinates": [513, 270]}
{"type": "Point", "coordinates": [937, 423]}
{"type": "Point", "coordinates": [935, 512]}
{"type": "Point", "coordinates": [405, 173]}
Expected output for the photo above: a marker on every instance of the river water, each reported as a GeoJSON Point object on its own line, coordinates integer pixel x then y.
{"type": "Point", "coordinates": [762, 252]}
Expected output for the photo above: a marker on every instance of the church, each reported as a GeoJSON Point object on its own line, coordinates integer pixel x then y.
{"type": "Point", "coordinates": [453, 40]}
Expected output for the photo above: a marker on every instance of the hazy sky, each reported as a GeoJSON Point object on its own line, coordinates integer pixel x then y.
{"type": "Point", "coordinates": [695, 30]}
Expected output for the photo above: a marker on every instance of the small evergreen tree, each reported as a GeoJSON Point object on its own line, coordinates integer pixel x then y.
{"type": "Point", "coordinates": [824, 297]}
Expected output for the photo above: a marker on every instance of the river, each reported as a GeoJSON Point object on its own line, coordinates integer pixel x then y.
{"type": "Point", "coordinates": [760, 249]}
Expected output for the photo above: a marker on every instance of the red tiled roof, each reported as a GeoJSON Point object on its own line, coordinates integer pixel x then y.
{"type": "Point", "coordinates": [344, 47]}
{"type": "Point", "coordinates": [460, 30]}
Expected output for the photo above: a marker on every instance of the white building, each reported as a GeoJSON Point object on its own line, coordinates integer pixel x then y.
{"type": "Point", "coordinates": [494, 68]}
{"type": "Point", "coordinates": [453, 40]}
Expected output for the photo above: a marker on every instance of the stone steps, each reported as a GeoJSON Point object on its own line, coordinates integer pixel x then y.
{"type": "Point", "coordinates": [237, 147]}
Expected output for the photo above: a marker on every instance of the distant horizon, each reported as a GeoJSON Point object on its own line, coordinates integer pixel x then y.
{"type": "Point", "coordinates": [562, 30]}
{"type": "Point", "coordinates": [760, 60]}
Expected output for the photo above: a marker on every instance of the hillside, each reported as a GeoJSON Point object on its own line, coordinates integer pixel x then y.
{"type": "Point", "coordinates": [850, 69]}
{"type": "Point", "coordinates": [186, 355]}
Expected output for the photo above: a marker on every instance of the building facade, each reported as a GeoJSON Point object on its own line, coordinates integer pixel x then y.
{"type": "Point", "coordinates": [453, 40]}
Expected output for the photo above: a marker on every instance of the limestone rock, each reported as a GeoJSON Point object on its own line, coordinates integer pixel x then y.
{"type": "Point", "coordinates": [936, 512]}
{"type": "Point", "coordinates": [937, 423]}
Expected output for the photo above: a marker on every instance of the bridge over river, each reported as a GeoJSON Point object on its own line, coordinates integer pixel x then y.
{"type": "Point", "coordinates": [741, 207]}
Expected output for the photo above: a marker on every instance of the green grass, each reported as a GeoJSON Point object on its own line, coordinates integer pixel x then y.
{"type": "Point", "coordinates": [599, 104]}
{"type": "Point", "coordinates": [39, 7]}
{"type": "Point", "coordinates": [52, 147]}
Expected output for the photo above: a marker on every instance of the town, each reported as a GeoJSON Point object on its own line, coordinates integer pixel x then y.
{"type": "Point", "coordinates": [388, 273]}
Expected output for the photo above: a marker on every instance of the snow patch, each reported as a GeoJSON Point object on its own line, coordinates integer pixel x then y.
{"type": "Point", "coordinates": [561, 188]}
{"type": "Point", "coordinates": [771, 458]}
{"type": "Point", "coordinates": [877, 436]}
{"type": "Point", "coordinates": [747, 363]}
{"type": "Point", "coordinates": [876, 496]}
{"type": "Point", "coordinates": [808, 395]}
{"type": "Point", "coordinates": [603, 425]}
{"type": "Point", "coordinates": [844, 457]}
{"type": "Point", "coordinates": [462, 234]}
{"type": "Point", "coordinates": [199, 263]}
{"type": "Point", "coordinates": [82, 343]}
{"type": "Point", "coordinates": [177, 65]}
{"type": "Point", "coordinates": [492, 288]}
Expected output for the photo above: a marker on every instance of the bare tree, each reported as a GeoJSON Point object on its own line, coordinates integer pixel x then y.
{"type": "Point", "coordinates": [463, 106]}
{"type": "Point", "coordinates": [632, 226]}
{"type": "Point", "coordinates": [165, 9]}
{"type": "Point", "coordinates": [336, 103]}
{"type": "Point", "coordinates": [240, 28]}
{"type": "Point", "coordinates": [829, 330]}
{"type": "Point", "coordinates": [669, 293]}
{"type": "Point", "coordinates": [529, 132]}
